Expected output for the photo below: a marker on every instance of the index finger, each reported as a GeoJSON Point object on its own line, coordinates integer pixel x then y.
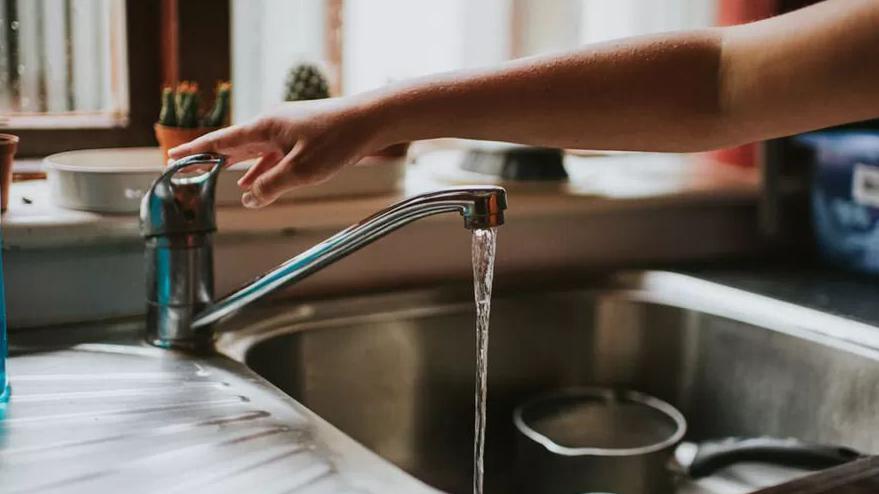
{"type": "Point", "coordinates": [226, 141]}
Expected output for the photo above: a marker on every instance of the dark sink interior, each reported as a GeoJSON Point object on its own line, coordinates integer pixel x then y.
{"type": "Point", "coordinates": [399, 376]}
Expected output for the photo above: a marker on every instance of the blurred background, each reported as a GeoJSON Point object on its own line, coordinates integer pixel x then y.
{"type": "Point", "coordinates": [77, 74]}
{"type": "Point", "coordinates": [100, 64]}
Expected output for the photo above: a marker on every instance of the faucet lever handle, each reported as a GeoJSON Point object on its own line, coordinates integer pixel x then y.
{"type": "Point", "coordinates": [182, 204]}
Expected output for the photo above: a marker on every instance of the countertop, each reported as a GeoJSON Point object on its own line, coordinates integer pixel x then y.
{"type": "Point", "coordinates": [99, 411]}
{"type": "Point", "coordinates": [809, 284]}
{"type": "Point", "coordinates": [597, 183]}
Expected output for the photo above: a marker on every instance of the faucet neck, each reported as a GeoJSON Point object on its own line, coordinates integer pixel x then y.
{"type": "Point", "coordinates": [481, 207]}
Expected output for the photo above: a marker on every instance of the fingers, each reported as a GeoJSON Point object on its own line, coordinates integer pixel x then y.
{"type": "Point", "coordinates": [237, 140]}
{"type": "Point", "coordinates": [267, 187]}
{"type": "Point", "coordinates": [269, 182]}
{"type": "Point", "coordinates": [266, 161]}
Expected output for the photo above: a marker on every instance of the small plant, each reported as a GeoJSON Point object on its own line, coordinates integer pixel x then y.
{"type": "Point", "coordinates": [180, 120]}
{"type": "Point", "coordinates": [306, 82]}
{"type": "Point", "coordinates": [168, 115]}
{"type": "Point", "coordinates": [219, 114]}
{"type": "Point", "coordinates": [180, 106]}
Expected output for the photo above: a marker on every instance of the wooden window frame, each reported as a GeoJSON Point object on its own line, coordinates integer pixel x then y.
{"type": "Point", "coordinates": [195, 43]}
{"type": "Point", "coordinates": [141, 19]}
{"type": "Point", "coordinates": [333, 43]}
{"type": "Point", "coordinates": [167, 40]}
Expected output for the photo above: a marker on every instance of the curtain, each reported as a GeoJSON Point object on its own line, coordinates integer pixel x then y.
{"type": "Point", "coordinates": [602, 20]}
{"type": "Point", "coordinates": [60, 56]}
{"type": "Point", "coordinates": [268, 38]}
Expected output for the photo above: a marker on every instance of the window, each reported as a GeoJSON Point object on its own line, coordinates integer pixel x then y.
{"type": "Point", "coordinates": [79, 73]}
{"type": "Point", "coordinates": [387, 40]}
{"type": "Point", "coordinates": [393, 39]}
{"type": "Point", "coordinates": [63, 63]}
{"type": "Point", "coordinates": [270, 36]}
{"type": "Point", "coordinates": [600, 20]}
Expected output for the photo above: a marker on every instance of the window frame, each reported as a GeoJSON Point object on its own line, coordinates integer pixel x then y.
{"type": "Point", "coordinates": [144, 81]}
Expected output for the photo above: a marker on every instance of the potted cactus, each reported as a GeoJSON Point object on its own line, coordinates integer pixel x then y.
{"type": "Point", "coordinates": [307, 82]}
{"type": "Point", "coordinates": [180, 120]}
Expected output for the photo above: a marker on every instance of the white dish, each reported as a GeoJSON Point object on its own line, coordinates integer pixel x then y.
{"type": "Point", "coordinates": [114, 180]}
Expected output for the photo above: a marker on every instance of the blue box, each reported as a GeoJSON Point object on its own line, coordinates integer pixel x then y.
{"type": "Point", "coordinates": [845, 197]}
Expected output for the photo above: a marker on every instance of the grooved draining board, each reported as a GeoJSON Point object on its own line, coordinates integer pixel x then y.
{"type": "Point", "coordinates": [131, 418]}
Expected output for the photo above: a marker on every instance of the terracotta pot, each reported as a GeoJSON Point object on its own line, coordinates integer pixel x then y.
{"type": "Point", "coordinates": [170, 137]}
{"type": "Point", "coordinates": [8, 146]}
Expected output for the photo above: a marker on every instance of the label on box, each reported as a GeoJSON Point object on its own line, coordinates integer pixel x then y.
{"type": "Point", "coordinates": [865, 185]}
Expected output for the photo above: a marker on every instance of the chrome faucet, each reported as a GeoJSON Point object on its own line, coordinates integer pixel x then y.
{"type": "Point", "coordinates": [178, 220]}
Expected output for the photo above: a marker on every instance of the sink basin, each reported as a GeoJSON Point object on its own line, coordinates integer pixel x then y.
{"type": "Point", "coordinates": [396, 371]}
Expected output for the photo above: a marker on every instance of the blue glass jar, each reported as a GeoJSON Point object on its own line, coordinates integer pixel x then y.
{"type": "Point", "coordinates": [4, 383]}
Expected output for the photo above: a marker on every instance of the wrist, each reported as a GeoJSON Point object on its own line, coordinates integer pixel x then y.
{"type": "Point", "coordinates": [371, 114]}
{"type": "Point", "coordinates": [397, 114]}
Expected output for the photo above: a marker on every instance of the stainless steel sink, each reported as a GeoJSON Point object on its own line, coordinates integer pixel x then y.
{"type": "Point", "coordinates": [396, 371]}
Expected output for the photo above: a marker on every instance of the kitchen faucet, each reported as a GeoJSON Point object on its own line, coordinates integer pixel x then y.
{"type": "Point", "coordinates": [178, 220]}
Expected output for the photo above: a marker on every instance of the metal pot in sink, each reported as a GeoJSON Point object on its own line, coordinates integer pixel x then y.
{"type": "Point", "coordinates": [594, 439]}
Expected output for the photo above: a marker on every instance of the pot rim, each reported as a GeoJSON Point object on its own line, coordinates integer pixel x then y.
{"type": "Point", "coordinates": [9, 143]}
{"type": "Point", "coordinates": [604, 394]}
{"type": "Point", "coordinates": [57, 162]}
{"type": "Point", "coordinates": [173, 128]}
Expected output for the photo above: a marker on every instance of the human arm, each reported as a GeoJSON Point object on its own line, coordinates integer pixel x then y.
{"type": "Point", "coordinates": [681, 92]}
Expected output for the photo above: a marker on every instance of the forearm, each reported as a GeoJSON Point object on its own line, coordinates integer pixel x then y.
{"type": "Point", "coordinates": [689, 91]}
{"type": "Point", "coordinates": [657, 93]}
{"type": "Point", "coordinates": [812, 68]}
{"type": "Point", "coordinates": [674, 92]}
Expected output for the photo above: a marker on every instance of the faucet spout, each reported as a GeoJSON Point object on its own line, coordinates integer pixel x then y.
{"type": "Point", "coordinates": [481, 207]}
{"type": "Point", "coordinates": [178, 220]}
{"type": "Point", "coordinates": [486, 209]}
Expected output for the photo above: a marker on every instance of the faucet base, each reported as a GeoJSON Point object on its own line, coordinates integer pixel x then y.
{"type": "Point", "coordinates": [180, 283]}
{"type": "Point", "coordinates": [162, 317]}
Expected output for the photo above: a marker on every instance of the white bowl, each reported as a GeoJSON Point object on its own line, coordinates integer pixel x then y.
{"type": "Point", "coordinates": [114, 180]}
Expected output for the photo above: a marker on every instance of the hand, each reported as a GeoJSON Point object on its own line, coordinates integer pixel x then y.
{"type": "Point", "coordinates": [298, 144]}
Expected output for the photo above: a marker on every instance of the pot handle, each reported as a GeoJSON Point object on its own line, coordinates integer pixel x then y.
{"type": "Point", "coordinates": [703, 459]}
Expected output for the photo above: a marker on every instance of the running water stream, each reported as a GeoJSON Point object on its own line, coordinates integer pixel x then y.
{"type": "Point", "coordinates": [484, 241]}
